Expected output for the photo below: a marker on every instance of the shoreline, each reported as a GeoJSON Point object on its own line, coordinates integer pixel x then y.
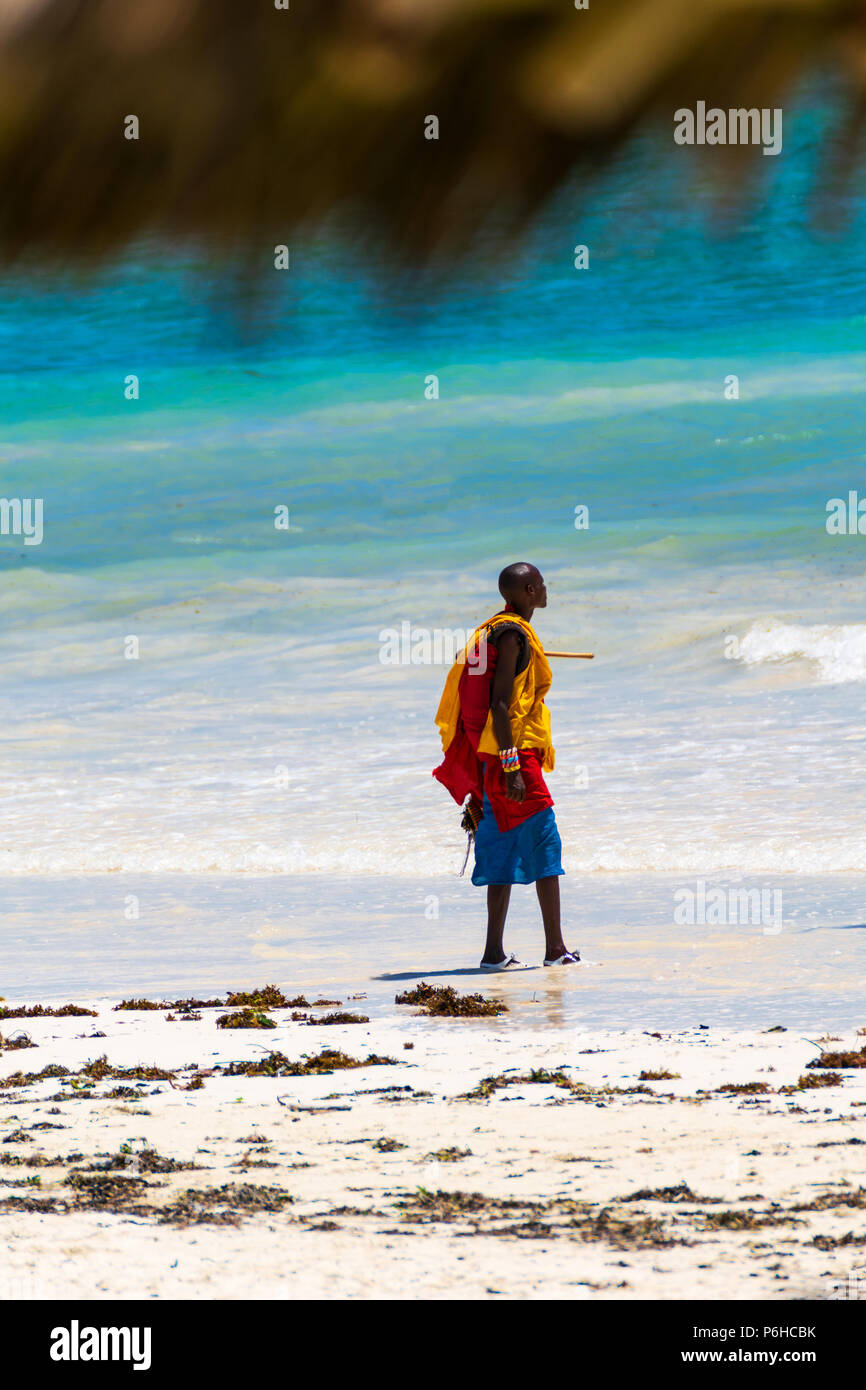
{"type": "Point", "coordinates": [449, 1171]}
{"type": "Point", "coordinates": [70, 938]}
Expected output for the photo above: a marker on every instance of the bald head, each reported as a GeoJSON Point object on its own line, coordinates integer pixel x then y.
{"type": "Point", "coordinates": [522, 586]}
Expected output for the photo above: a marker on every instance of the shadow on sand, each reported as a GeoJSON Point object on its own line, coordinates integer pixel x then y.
{"type": "Point", "coordinates": [446, 974]}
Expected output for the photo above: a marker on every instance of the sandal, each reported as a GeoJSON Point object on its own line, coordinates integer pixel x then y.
{"type": "Point", "coordinates": [570, 958]}
{"type": "Point", "coordinates": [508, 963]}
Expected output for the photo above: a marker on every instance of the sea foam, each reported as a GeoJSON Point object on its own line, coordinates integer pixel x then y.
{"type": "Point", "coordinates": [837, 651]}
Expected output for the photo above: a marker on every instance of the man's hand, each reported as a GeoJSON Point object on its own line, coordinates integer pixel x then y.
{"type": "Point", "coordinates": [515, 787]}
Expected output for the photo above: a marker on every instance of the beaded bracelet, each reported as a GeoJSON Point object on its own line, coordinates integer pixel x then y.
{"type": "Point", "coordinates": [510, 759]}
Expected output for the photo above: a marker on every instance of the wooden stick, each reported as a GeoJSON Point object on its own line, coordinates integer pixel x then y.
{"type": "Point", "coordinates": [588, 656]}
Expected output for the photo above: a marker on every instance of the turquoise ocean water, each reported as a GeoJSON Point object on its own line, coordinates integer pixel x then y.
{"type": "Point", "coordinates": [258, 732]}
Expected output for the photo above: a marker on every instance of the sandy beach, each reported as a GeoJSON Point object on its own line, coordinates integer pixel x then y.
{"type": "Point", "coordinates": [471, 1158]}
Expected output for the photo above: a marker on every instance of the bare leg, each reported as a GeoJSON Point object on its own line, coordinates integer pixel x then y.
{"type": "Point", "coordinates": [548, 900]}
{"type": "Point", "coordinates": [498, 898]}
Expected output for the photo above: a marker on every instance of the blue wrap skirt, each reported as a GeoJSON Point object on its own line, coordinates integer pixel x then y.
{"type": "Point", "coordinates": [529, 851]}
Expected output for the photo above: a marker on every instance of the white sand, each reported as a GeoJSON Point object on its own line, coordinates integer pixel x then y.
{"type": "Point", "coordinates": [530, 1143]}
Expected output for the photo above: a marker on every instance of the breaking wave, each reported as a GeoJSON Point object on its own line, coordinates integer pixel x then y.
{"type": "Point", "coordinates": [836, 651]}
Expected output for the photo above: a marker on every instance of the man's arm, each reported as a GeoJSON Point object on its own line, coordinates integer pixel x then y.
{"type": "Point", "coordinates": [500, 699]}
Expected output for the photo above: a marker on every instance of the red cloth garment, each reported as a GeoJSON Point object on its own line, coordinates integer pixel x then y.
{"type": "Point", "coordinates": [508, 814]}
{"type": "Point", "coordinates": [464, 772]}
{"type": "Point", "coordinates": [461, 771]}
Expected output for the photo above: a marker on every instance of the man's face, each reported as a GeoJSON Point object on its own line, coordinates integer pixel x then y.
{"type": "Point", "coordinates": [539, 598]}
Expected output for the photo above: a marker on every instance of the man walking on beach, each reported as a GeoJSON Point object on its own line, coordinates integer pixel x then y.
{"type": "Point", "coordinates": [495, 731]}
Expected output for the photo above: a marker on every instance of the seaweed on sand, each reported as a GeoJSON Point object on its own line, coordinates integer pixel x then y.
{"type": "Point", "coordinates": [812, 1083]}
{"type": "Point", "coordinates": [188, 1006]}
{"type": "Point", "coordinates": [267, 997]}
{"type": "Point", "coordinates": [443, 1001]}
{"type": "Point", "coordinates": [247, 1160]}
{"type": "Point", "coordinates": [337, 1018]}
{"type": "Point", "coordinates": [834, 1242]}
{"type": "Point", "coordinates": [21, 1078]}
{"type": "Point", "coordinates": [223, 1205]}
{"type": "Point", "coordinates": [743, 1088]}
{"type": "Point", "coordinates": [40, 1011]}
{"type": "Point", "coordinates": [749, 1220]}
{"type": "Point", "coordinates": [182, 1006]}
{"type": "Point", "coordinates": [424, 1205]}
{"type": "Point", "coordinates": [659, 1076]}
{"type": "Point", "coordinates": [126, 1195]}
{"type": "Point", "coordinates": [328, 1060]}
{"type": "Point", "coordinates": [101, 1069]}
{"type": "Point", "coordinates": [681, 1193]}
{"type": "Point", "coordinates": [541, 1077]}
{"type": "Point", "coordinates": [562, 1217]}
{"type": "Point", "coordinates": [35, 1204]}
{"type": "Point", "coordinates": [245, 1018]}
{"type": "Point", "coordinates": [105, 1190]}
{"type": "Point", "coordinates": [623, 1233]}
{"type": "Point", "coordinates": [37, 1160]}
{"type": "Point", "coordinates": [141, 1160]}
{"type": "Point", "coordinates": [16, 1041]}
{"type": "Point", "coordinates": [853, 1197]}
{"type": "Point", "coordinates": [839, 1059]}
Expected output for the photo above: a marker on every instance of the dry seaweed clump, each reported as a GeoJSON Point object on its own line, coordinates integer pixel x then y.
{"type": "Point", "coordinates": [839, 1059]}
{"type": "Point", "coordinates": [539, 1076]}
{"type": "Point", "coordinates": [245, 1018]}
{"type": "Point", "coordinates": [530, 1219]}
{"type": "Point", "coordinates": [337, 1018]}
{"type": "Point", "coordinates": [745, 1220]}
{"type": "Point", "coordinates": [223, 1205]}
{"type": "Point", "coordinates": [681, 1193]}
{"type": "Point", "coordinates": [268, 997]}
{"type": "Point", "coordinates": [812, 1083]}
{"type": "Point", "coordinates": [182, 1006]}
{"type": "Point", "coordinates": [425, 1205]}
{"type": "Point", "coordinates": [140, 1160]}
{"type": "Point", "coordinates": [123, 1194]}
{"type": "Point", "coordinates": [851, 1197]}
{"type": "Point", "coordinates": [101, 1069]}
{"type": "Point", "coordinates": [834, 1242]}
{"type": "Point", "coordinates": [40, 1011]}
{"type": "Point", "coordinates": [443, 1001]}
{"type": "Point", "coordinates": [659, 1076]}
{"type": "Point", "coordinates": [188, 1006]}
{"type": "Point", "coordinates": [15, 1042]}
{"type": "Point", "coordinates": [21, 1078]}
{"type": "Point", "coordinates": [328, 1060]}
{"type": "Point", "coordinates": [743, 1088]}
{"type": "Point", "coordinates": [104, 1190]}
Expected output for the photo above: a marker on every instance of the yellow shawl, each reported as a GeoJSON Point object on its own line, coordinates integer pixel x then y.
{"type": "Point", "coordinates": [530, 717]}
